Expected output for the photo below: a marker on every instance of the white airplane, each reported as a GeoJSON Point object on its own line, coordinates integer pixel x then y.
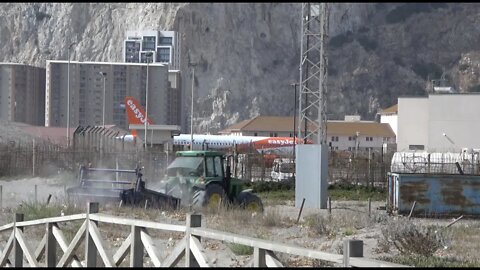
{"type": "Point", "coordinates": [136, 115]}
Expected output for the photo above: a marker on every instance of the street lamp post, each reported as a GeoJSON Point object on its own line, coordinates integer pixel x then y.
{"type": "Point", "coordinates": [146, 100]}
{"type": "Point", "coordinates": [294, 117]}
{"type": "Point", "coordinates": [104, 75]}
{"type": "Point", "coordinates": [191, 113]}
{"type": "Point", "coordinates": [68, 95]}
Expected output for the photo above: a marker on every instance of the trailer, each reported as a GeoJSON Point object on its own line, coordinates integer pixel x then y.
{"type": "Point", "coordinates": [118, 186]}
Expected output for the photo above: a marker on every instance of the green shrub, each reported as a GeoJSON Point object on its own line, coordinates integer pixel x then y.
{"type": "Point", "coordinates": [352, 192]}
{"type": "Point", "coordinates": [341, 39]}
{"type": "Point", "coordinates": [240, 249]}
{"type": "Point", "coordinates": [262, 186]}
{"type": "Point", "coordinates": [463, 67]}
{"type": "Point", "coordinates": [403, 12]}
{"type": "Point", "coordinates": [41, 15]}
{"type": "Point", "coordinates": [475, 88]}
{"type": "Point", "coordinates": [32, 210]}
{"type": "Point", "coordinates": [367, 44]}
{"type": "Point", "coordinates": [426, 70]}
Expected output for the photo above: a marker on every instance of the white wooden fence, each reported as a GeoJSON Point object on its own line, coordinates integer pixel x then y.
{"type": "Point", "coordinates": [17, 248]}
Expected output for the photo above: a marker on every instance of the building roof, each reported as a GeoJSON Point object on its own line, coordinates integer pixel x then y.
{"type": "Point", "coordinates": [155, 64]}
{"type": "Point", "coordinates": [337, 128]}
{"type": "Point", "coordinates": [373, 129]}
{"type": "Point", "coordinates": [390, 110]}
{"type": "Point", "coordinates": [263, 123]}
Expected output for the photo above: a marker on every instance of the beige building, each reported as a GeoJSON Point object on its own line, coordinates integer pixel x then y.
{"type": "Point", "coordinates": [22, 93]}
{"type": "Point", "coordinates": [351, 134]}
{"type": "Point", "coordinates": [121, 79]}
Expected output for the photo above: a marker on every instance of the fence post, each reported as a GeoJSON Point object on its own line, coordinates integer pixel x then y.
{"type": "Point", "coordinates": [36, 193]}
{"type": "Point", "coordinates": [90, 248]}
{"type": "Point", "coordinates": [329, 205]}
{"type": "Point", "coordinates": [33, 157]}
{"type": "Point", "coordinates": [193, 221]}
{"type": "Point", "coordinates": [18, 257]}
{"type": "Point", "coordinates": [1, 196]}
{"type": "Point", "coordinates": [136, 248]}
{"type": "Point", "coordinates": [259, 257]}
{"type": "Point", "coordinates": [369, 206]}
{"type": "Point", "coordinates": [351, 248]}
{"type": "Point", "coordinates": [51, 247]}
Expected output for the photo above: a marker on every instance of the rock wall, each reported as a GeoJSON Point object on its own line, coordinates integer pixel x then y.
{"type": "Point", "coordinates": [247, 55]}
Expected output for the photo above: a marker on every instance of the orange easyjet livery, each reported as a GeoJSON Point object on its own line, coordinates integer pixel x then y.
{"type": "Point", "coordinates": [136, 115]}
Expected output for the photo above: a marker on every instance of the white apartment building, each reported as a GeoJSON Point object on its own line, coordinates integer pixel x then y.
{"type": "Point", "coordinates": [156, 46]}
{"type": "Point", "coordinates": [439, 122]}
{"type": "Point", "coordinates": [22, 93]}
{"type": "Point", "coordinates": [121, 79]}
{"type": "Point", "coordinates": [390, 116]}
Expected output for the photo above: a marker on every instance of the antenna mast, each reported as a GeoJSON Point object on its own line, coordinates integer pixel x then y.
{"type": "Point", "coordinates": [313, 73]}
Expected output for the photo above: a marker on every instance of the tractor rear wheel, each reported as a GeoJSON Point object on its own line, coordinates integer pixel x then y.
{"type": "Point", "coordinates": [211, 197]}
{"type": "Point", "coordinates": [250, 202]}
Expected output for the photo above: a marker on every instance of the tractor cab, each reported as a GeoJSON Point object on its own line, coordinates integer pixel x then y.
{"type": "Point", "coordinates": [195, 176]}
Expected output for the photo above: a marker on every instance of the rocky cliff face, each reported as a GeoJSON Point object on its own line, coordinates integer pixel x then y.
{"type": "Point", "coordinates": [247, 55]}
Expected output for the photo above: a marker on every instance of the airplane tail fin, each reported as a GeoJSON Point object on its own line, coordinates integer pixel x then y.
{"type": "Point", "coordinates": [135, 113]}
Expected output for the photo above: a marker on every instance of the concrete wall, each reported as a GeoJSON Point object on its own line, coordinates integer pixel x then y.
{"type": "Point", "coordinates": [458, 116]}
{"type": "Point", "coordinates": [441, 122]}
{"type": "Point", "coordinates": [412, 122]}
{"type": "Point", "coordinates": [392, 120]}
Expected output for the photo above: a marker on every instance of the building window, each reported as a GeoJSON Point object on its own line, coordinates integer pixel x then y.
{"type": "Point", "coordinates": [148, 44]}
{"type": "Point", "coordinates": [369, 139]}
{"type": "Point", "coordinates": [163, 55]}
{"type": "Point", "coordinates": [165, 41]}
{"type": "Point", "coordinates": [350, 138]}
{"type": "Point", "coordinates": [255, 134]}
{"type": "Point", "coordinates": [416, 147]}
{"type": "Point", "coordinates": [334, 138]}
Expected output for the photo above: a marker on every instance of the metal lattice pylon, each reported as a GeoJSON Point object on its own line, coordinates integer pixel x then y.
{"type": "Point", "coordinates": [313, 73]}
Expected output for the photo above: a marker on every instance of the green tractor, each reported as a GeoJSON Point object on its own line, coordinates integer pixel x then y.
{"type": "Point", "coordinates": [203, 179]}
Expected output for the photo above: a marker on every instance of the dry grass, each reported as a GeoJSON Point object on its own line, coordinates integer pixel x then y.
{"type": "Point", "coordinates": [340, 223]}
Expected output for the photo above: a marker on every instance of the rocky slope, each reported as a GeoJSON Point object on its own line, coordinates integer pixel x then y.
{"type": "Point", "coordinates": [248, 54]}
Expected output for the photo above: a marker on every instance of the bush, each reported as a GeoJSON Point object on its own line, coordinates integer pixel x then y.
{"type": "Point", "coordinates": [403, 12]}
{"type": "Point", "coordinates": [341, 39]}
{"type": "Point", "coordinates": [367, 44]}
{"type": "Point", "coordinates": [475, 88]}
{"type": "Point", "coordinates": [240, 249]}
{"type": "Point", "coordinates": [351, 192]}
{"type": "Point", "coordinates": [319, 224]}
{"type": "Point", "coordinates": [426, 70]}
{"type": "Point", "coordinates": [41, 15]}
{"type": "Point", "coordinates": [411, 239]}
{"type": "Point", "coordinates": [32, 210]}
{"type": "Point", "coordinates": [263, 186]}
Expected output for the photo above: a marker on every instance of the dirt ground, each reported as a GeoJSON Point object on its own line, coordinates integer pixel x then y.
{"type": "Point", "coordinates": [349, 220]}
